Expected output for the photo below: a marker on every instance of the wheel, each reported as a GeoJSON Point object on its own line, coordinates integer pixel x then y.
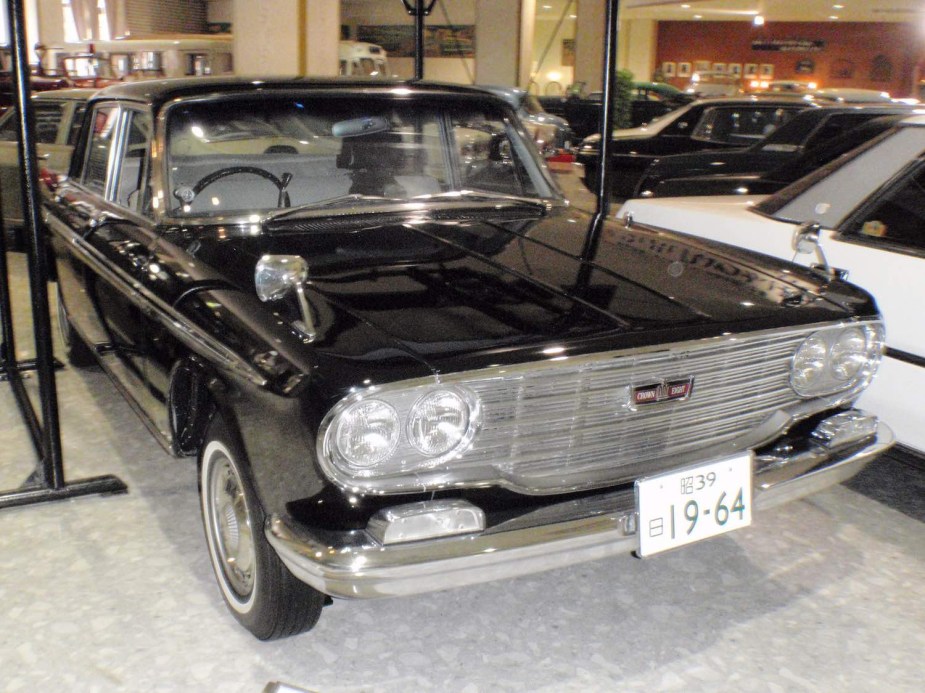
{"type": "Point", "coordinates": [259, 590]}
{"type": "Point", "coordinates": [78, 354]}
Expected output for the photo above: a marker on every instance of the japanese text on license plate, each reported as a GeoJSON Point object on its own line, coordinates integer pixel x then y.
{"type": "Point", "coordinates": [695, 503]}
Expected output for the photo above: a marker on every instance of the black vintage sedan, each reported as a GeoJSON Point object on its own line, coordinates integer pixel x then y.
{"type": "Point", "coordinates": [367, 311]}
{"type": "Point", "coordinates": [804, 132]}
{"type": "Point", "coordinates": [718, 123]}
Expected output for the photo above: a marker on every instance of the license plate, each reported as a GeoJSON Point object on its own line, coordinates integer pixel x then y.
{"type": "Point", "coordinates": [696, 503]}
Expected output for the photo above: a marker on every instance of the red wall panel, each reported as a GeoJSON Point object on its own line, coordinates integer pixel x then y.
{"type": "Point", "coordinates": [879, 56]}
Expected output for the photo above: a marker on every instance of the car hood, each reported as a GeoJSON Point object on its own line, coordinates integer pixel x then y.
{"type": "Point", "coordinates": [464, 290]}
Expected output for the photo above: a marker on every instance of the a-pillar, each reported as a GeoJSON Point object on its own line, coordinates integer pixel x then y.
{"type": "Point", "coordinates": [504, 41]}
{"type": "Point", "coordinates": [286, 37]}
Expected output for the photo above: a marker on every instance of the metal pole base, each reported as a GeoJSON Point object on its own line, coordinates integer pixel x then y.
{"type": "Point", "coordinates": [29, 494]}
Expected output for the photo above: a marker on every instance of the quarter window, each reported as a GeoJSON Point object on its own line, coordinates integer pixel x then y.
{"type": "Point", "coordinates": [897, 217]}
{"type": "Point", "coordinates": [99, 148]}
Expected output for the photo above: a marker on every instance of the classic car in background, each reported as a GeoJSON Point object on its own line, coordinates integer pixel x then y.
{"type": "Point", "coordinates": [368, 311]}
{"type": "Point", "coordinates": [736, 122]}
{"type": "Point", "coordinates": [813, 127]}
{"type": "Point", "coordinates": [552, 134]}
{"type": "Point", "coordinates": [58, 117]}
{"type": "Point", "coordinates": [37, 84]}
{"type": "Point", "coordinates": [650, 100]}
{"type": "Point", "coordinates": [867, 209]}
{"type": "Point", "coordinates": [771, 181]}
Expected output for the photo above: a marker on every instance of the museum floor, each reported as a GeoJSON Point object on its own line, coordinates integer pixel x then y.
{"type": "Point", "coordinates": [116, 593]}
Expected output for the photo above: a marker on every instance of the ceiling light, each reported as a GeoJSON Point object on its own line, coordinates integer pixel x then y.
{"type": "Point", "coordinates": [838, 7]}
{"type": "Point", "coordinates": [833, 16]}
{"type": "Point", "coordinates": [698, 16]}
{"type": "Point", "coordinates": [758, 20]}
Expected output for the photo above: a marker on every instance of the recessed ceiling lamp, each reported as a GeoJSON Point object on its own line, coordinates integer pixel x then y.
{"type": "Point", "coordinates": [833, 16]}
{"type": "Point", "coordinates": [758, 20]}
{"type": "Point", "coordinates": [838, 7]}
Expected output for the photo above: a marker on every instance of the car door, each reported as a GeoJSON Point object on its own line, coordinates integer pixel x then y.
{"type": "Point", "coordinates": [102, 236]}
{"type": "Point", "coordinates": [883, 246]}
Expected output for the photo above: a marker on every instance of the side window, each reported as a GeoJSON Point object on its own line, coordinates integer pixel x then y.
{"type": "Point", "coordinates": [47, 121]}
{"type": "Point", "coordinates": [739, 126]}
{"type": "Point", "coordinates": [897, 216]}
{"type": "Point", "coordinates": [99, 148]}
{"type": "Point", "coordinates": [131, 189]}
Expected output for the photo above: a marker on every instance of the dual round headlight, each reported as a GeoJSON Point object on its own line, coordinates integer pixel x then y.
{"type": "Point", "coordinates": [373, 432]}
{"type": "Point", "coordinates": [830, 361]}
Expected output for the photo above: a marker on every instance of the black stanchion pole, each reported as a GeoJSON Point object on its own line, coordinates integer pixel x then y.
{"type": "Point", "coordinates": [604, 184]}
{"type": "Point", "coordinates": [47, 483]}
{"type": "Point", "coordinates": [420, 9]}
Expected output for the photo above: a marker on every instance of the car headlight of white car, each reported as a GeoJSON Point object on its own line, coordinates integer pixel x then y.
{"type": "Point", "coordinates": [833, 360]}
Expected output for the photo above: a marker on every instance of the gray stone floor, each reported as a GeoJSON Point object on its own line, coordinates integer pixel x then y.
{"type": "Point", "coordinates": [116, 594]}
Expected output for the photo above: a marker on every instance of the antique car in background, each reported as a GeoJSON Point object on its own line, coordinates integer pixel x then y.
{"type": "Point", "coordinates": [862, 216]}
{"type": "Point", "coordinates": [649, 100]}
{"type": "Point", "coordinates": [721, 123]}
{"type": "Point", "coordinates": [808, 129]}
{"type": "Point", "coordinates": [402, 366]}
{"type": "Point", "coordinates": [58, 117]}
{"type": "Point", "coordinates": [771, 181]}
{"type": "Point", "coordinates": [552, 134]}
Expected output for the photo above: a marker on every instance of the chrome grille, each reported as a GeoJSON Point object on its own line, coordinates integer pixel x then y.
{"type": "Point", "coordinates": [552, 427]}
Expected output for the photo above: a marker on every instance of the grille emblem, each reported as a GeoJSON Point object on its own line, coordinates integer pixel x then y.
{"type": "Point", "coordinates": [663, 391]}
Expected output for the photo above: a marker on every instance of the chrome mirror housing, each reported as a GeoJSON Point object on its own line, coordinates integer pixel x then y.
{"type": "Point", "coordinates": [806, 238]}
{"type": "Point", "coordinates": [276, 275]}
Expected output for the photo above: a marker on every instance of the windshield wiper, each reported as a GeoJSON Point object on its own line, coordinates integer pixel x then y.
{"type": "Point", "coordinates": [488, 197]}
{"type": "Point", "coordinates": [353, 198]}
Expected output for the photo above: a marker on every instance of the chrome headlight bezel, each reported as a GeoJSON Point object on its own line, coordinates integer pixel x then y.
{"type": "Point", "coordinates": [837, 359]}
{"type": "Point", "coordinates": [405, 457]}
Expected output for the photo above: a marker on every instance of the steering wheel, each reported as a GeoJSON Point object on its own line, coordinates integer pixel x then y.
{"type": "Point", "coordinates": [280, 183]}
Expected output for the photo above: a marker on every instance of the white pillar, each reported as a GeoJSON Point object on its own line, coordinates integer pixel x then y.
{"type": "Point", "coordinates": [286, 37]}
{"type": "Point", "coordinates": [589, 43]}
{"type": "Point", "coordinates": [636, 47]}
{"type": "Point", "coordinates": [504, 41]}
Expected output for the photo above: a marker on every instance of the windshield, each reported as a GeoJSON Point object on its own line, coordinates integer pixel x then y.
{"type": "Point", "coordinates": [259, 155]}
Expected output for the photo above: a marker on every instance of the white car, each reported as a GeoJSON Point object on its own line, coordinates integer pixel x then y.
{"type": "Point", "coordinates": [867, 210]}
{"type": "Point", "coordinates": [58, 116]}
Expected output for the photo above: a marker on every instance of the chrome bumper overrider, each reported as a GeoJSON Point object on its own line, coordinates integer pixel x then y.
{"type": "Point", "coordinates": [353, 565]}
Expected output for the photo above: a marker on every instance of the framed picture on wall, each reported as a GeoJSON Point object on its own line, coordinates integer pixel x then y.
{"type": "Point", "coordinates": [767, 71]}
{"type": "Point", "coordinates": [668, 69]}
{"type": "Point", "coordinates": [751, 70]}
{"type": "Point", "coordinates": [684, 69]}
{"type": "Point", "coordinates": [734, 69]}
{"type": "Point", "coordinates": [702, 66]}
{"type": "Point", "coordinates": [719, 67]}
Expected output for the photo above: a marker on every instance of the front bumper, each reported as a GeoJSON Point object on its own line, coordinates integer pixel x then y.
{"type": "Point", "coordinates": [353, 565]}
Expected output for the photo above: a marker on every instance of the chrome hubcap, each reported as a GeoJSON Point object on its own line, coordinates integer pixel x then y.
{"type": "Point", "coordinates": [231, 527]}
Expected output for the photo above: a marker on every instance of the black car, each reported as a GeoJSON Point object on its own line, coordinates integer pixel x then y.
{"type": "Point", "coordinates": [650, 100]}
{"type": "Point", "coordinates": [771, 181]}
{"type": "Point", "coordinates": [368, 313]}
{"type": "Point", "coordinates": [722, 123]}
{"type": "Point", "coordinates": [806, 130]}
